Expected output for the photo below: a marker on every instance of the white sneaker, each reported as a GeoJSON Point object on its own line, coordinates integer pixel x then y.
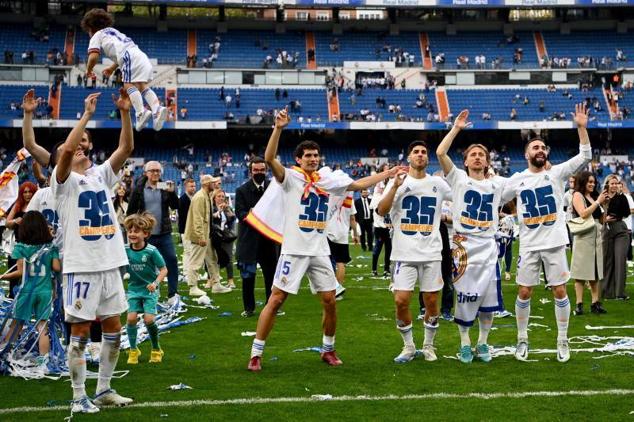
{"type": "Point", "coordinates": [429, 352]}
{"type": "Point", "coordinates": [42, 363]}
{"type": "Point", "coordinates": [159, 118]}
{"type": "Point", "coordinates": [110, 397]}
{"type": "Point", "coordinates": [219, 288]}
{"type": "Point", "coordinates": [142, 119]}
{"type": "Point", "coordinates": [502, 314]}
{"type": "Point", "coordinates": [83, 405]}
{"type": "Point", "coordinates": [407, 354]}
{"type": "Point", "coordinates": [521, 350]}
{"type": "Point", "coordinates": [563, 351]}
{"type": "Point", "coordinates": [174, 299]}
{"type": "Point", "coordinates": [195, 291]}
{"type": "Point", "coordinates": [340, 290]}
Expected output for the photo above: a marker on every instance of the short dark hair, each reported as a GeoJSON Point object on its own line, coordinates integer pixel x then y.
{"type": "Point", "coordinates": [34, 229]}
{"type": "Point", "coordinates": [96, 19]}
{"type": "Point", "coordinates": [304, 145]}
{"type": "Point", "coordinates": [581, 180]}
{"type": "Point", "coordinates": [533, 139]}
{"type": "Point", "coordinates": [256, 160]}
{"type": "Point", "coordinates": [415, 144]}
{"type": "Point", "coordinates": [189, 180]}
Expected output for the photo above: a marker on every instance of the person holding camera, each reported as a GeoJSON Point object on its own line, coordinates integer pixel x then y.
{"type": "Point", "coordinates": [157, 197]}
{"type": "Point", "coordinates": [223, 234]}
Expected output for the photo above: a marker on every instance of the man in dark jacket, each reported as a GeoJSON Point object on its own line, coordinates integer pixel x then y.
{"type": "Point", "coordinates": [364, 218]}
{"type": "Point", "coordinates": [253, 248]}
{"type": "Point", "coordinates": [148, 195]}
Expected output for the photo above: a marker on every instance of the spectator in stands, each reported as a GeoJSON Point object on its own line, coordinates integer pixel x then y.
{"type": "Point", "coordinates": [587, 251]}
{"type": "Point", "coordinates": [183, 113]}
{"type": "Point", "coordinates": [525, 101]}
{"type": "Point", "coordinates": [615, 238]}
{"type": "Point", "coordinates": [486, 116]}
{"type": "Point", "coordinates": [8, 57]}
{"type": "Point", "coordinates": [228, 100]}
{"type": "Point", "coordinates": [334, 45]}
{"type": "Point", "coordinates": [148, 196]}
{"type": "Point", "coordinates": [542, 107]}
{"type": "Point", "coordinates": [620, 55]}
{"type": "Point", "coordinates": [513, 114]}
{"type": "Point", "coordinates": [440, 59]}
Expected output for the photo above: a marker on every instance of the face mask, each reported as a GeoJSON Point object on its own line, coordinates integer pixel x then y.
{"type": "Point", "coordinates": [259, 178]}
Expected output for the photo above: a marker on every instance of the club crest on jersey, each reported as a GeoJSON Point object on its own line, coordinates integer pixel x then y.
{"type": "Point", "coordinates": [78, 304]}
{"type": "Point", "coordinates": [459, 257]}
{"type": "Point", "coordinates": [435, 189]}
{"type": "Point", "coordinates": [546, 177]}
{"type": "Point", "coordinates": [144, 258]}
{"type": "Point", "coordinates": [284, 280]}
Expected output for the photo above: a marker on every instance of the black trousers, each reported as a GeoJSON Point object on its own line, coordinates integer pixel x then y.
{"type": "Point", "coordinates": [381, 237]}
{"type": "Point", "coordinates": [268, 262]}
{"type": "Point", "coordinates": [447, 273]}
{"type": "Point", "coordinates": [367, 236]}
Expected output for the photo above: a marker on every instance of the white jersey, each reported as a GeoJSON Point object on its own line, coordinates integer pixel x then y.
{"type": "Point", "coordinates": [568, 204]}
{"type": "Point", "coordinates": [113, 43]}
{"type": "Point", "coordinates": [540, 208]}
{"type": "Point", "coordinates": [475, 203]}
{"type": "Point", "coordinates": [305, 218]}
{"type": "Point", "coordinates": [415, 216]}
{"type": "Point", "coordinates": [377, 220]}
{"type": "Point", "coordinates": [44, 201]}
{"type": "Point", "coordinates": [342, 208]}
{"type": "Point", "coordinates": [92, 237]}
{"type": "Point", "coordinates": [628, 220]}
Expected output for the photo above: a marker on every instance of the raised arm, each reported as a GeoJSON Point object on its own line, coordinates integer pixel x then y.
{"type": "Point", "coordinates": [460, 123]}
{"type": "Point", "coordinates": [126, 138]}
{"type": "Point", "coordinates": [281, 121]}
{"type": "Point", "coordinates": [368, 181]}
{"type": "Point", "coordinates": [580, 117]}
{"type": "Point", "coordinates": [385, 204]}
{"type": "Point", "coordinates": [69, 147]}
{"type": "Point", "coordinates": [29, 105]}
{"type": "Point", "coordinates": [93, 58]}
{"type": "Point", "coordinates": [580, 206]}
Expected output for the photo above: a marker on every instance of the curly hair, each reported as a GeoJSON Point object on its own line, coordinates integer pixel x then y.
{"type": "Point", "coordinates": [96, 19]}
{"type": "Point", "coordinates": [143, 221]}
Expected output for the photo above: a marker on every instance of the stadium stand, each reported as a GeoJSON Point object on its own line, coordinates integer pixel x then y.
{"type": "Point", "coordinates": [20, 38]}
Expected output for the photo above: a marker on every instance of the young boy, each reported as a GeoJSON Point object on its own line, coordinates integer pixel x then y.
{"type": "Point", "coordinates": [135, 65]}
{"type": "Point", "coordinates": [147, 269]}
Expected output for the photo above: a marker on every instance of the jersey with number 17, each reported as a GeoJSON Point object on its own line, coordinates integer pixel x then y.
{"type": "Point", "coordinates": [415, 216]}
{"type": "Point", "coordinates": [92, 238]}
{"type": "Point", "coordinates": [540, 198]}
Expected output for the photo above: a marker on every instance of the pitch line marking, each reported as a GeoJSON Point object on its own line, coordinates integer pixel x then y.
{"type": "Point", "coordinates": [267, 400]}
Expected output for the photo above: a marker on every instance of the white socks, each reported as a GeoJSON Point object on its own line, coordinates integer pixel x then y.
{"type": "Point", "coordinates": [431, 327]}
{"type": "Point", "coordinates": [486, 320]}
{"type": "Point", "coordinates": [522, 312]}
{"type": "Point", "coordinates": [136, 99]}
{"type": "Point", "coordinates": [562, 315]}
{"type": "Point", "coordinates": [151, 99]}
{"type": "Point", "coordinates": [406, 333]}
{"type": "Point", "coordinates": [77, 365]}
{"type": "Point", "coordinates": [108, 357]}
{"type": "Point", "coordinates": [464, 336]}
{"type": "Point", "coordinates": [257, 348]}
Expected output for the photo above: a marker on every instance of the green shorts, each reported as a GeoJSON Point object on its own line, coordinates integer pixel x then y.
{"type": "Point", "coordinates": [142, 303]}
{"type": "Point", "coordinates": [33, 305]}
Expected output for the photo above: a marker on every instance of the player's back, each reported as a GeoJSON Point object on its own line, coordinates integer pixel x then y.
{"type": "Point", "coordinates": [112, 42]}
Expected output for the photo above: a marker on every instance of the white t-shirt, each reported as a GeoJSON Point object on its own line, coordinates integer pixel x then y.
{"type": "Point", "coordinates": [306, 216]}
{"type": "Point", "coordinates": [339, 222]}
{"type": "Point", "coordinates": [44, 201]}
{"type": "Point", "coordinates": [476, 203]}
{"type": "Point", "coordinates": [92, 238]}
{"type": "Point", "coordinates": [113, 43]}
{"type": "Point", "coordinates": [377, 220]}
{"type": "Point", "coordinates": [415, 216]}
{"type": "Point", "coordinates": [540, 208]}
{"type": "Point", "coordinates": [568, 204]}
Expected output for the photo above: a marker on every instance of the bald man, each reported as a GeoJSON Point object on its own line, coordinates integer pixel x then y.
{"type": "Point", "coordinates": [153, 195]}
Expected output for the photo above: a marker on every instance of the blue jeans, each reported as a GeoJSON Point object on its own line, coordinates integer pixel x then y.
{"type": "Point", "coordinates": [165, 245]}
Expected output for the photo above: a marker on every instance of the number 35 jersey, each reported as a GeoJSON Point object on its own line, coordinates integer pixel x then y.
{"type": "Point", "coordinates": [475, 203]}
{"type": "Point", "coordinates": [92, 238]}
{"type": "Point", "coordinates": [305, 215]}
{"type": "Point", "coordinates": [540, 198]}
{"type": "Point", "coordinates": [415, 216]}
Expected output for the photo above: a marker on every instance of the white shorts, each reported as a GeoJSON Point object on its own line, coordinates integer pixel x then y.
{"type": "Point", "coordinates": [529, 267]}
{"type": "Point", "coordinates": [291, 269]}
{"type": "Point", "coordinates": [428, 275]}
{"type": "Point", "coordinates": [88, 296]}
{"type": "Point", "coordinates": [136, 67]}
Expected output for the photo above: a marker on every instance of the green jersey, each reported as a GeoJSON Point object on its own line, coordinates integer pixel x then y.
{"type": "Point", "coordinates": [38, 262]}
{"type": "Point", "coordinates": [143, 267]}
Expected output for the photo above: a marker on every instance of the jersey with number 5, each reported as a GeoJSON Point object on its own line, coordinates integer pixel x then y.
{"type": "Point", "coordinates": [540, 198]}
{"type": "Point", "coordinates": [415, 216]}
{"type": "Point", "coordinates": [475, 203]}
{"type": "Point", "coordinates": [92, 238]}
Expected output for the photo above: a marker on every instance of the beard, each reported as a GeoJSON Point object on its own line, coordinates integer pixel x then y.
{"type": "Point", "coordinates": [538, 161]}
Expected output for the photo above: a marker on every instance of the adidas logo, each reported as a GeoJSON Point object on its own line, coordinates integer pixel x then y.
{"type": "Point", "coordinates": [82, 182]}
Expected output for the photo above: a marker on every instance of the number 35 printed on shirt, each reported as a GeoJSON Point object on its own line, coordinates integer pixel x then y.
{"type": "Point", "coordinates": [540, 206]}
{"type": "Point", "coordinates": [96, 221]}
{"type": "Point", "coordinates": [419, 216]}
{"type": "Point", "coordinates": [314, 216]}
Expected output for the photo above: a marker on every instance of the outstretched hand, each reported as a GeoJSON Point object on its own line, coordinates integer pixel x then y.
{"type": "Point", "coordinates": [580, 116]}
{"type": "Point", "coordinates": [400, 175]}
{"type": "Point", "coordinates": [123, 103]}
{"type": "Point", "coordinates": [29, 102]}
{"type": "Point", "coordinates": [462, 121]}
{"type": "Point", "coordinates": [90, 103]}
{"type": "Point", "coordinates": [282, 119]}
